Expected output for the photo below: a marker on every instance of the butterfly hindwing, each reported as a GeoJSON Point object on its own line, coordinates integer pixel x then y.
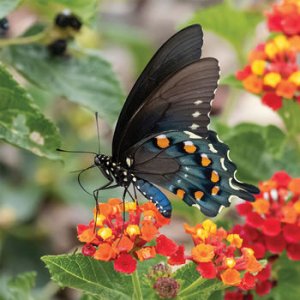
{"type": "Point", "coordinates": [198, 170]}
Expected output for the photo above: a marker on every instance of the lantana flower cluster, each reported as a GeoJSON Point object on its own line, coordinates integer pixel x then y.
{"type": "Point", "coordinates": [110, 237]}
{"type": "Point", "coordinates": [285, 17]}
{"type": "Point", "coordinates": [272, 71]}
{"type": "Point", "coordinates": [273, 220]}
{"type": "Point", "coordinates": [272, 225]}
{"type": "Point", "coordinates": [219, 254]}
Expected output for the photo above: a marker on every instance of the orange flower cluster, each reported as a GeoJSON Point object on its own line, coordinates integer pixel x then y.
{"type": "Point", "coordinates": [220, 254]}
{"type": "Point", "coordinates": [272, 71]}
{"type": "Point", "coordinates": [111, 238]}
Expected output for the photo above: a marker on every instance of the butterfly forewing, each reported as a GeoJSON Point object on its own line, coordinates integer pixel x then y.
{"type": "Point", "coordinates": [179, 51]}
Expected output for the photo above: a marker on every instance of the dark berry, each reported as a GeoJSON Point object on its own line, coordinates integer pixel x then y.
{"type": "Point", "coordinates": [74, 22]}
{"type": "Point", "coordinates": [4, 26]}
{"type": "Point", "coordinates": [62, 20]}
{"type": "Point", "coordinates": [58, 47]}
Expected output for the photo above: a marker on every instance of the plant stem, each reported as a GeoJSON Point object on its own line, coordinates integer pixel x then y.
{"type": "Point", "coordinates": [24, 40]}
{"type": "Point", "coordinates": [196, 283]}
{"type": "Point", "coordinates": [137, 293]}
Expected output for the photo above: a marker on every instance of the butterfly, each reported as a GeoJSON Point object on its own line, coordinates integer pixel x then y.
{"type": "Point", "coordinates": [162, 137]}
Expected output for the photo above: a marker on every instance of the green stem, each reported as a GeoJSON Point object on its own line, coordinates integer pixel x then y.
{"type": "Point", "coordinates": [192, 286]}
{"type": "Point", "coordinates": [23, 40]}
{"type": "Point", "coordinates": [137, 292]}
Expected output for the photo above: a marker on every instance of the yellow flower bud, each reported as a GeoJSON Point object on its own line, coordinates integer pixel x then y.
{"type": "Point", "coordinates": [272, 79]}
{"type": "Point", "coordinates": [295, 78]}
{"type": "Point", "coordinates": [271, 50]}
{"type": "Point", "coordinates": [235, 240]}
{"type": "Point", "coordinates": [230, 262]}
{"type": "Point", "coordinates": [100, 219]}
{"type": "Point", "coordinates": [105, 233]}
{"type": "Point", "coordinates": [209, 226]}
{"type": "Point", "coordinates": [258, 66]}
{"type": "Point", "coordinates": [281, 42]}
{"type": "Point", "coordinates": [202, 234]}
{"type": "Point", "coordinates": [133, 230]}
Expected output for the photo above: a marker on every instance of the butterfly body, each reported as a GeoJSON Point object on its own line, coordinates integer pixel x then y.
{"type": "Point", "coordinates": [162, 137]}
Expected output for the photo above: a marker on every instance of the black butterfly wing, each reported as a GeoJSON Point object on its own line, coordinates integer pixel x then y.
{"type": "Point", "coordinates": [179, 51]}
{"type": "Point", "coordinates": [196, 169]}
{"type": "Point", "coordinates": [181, 102]}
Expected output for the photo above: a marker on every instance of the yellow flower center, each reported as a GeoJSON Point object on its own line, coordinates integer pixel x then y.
{"type": "Point", "coordinates": [105, 233]}
{"type": "Point", "coordinates": [133, 230]}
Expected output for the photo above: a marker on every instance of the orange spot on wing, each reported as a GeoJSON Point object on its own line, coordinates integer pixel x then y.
{"type": "Point", "coordinates": [189, 147]}
{"type": "Point", "coordinates": [205, 161]}
{"type": "Point", "coordinates": [180, 193]}
{"type": "Point", "coordinates": [214, 176]}
{"type": "Point", "coordinates": [162, 142]}
{"type": "Point", "coordinates": [198, 195]}
{"type": "Point", "coordinates": [215, 190]}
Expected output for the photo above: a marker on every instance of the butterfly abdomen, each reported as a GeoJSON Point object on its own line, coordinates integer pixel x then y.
{"type": "Point", "coordinates": [156, 196]}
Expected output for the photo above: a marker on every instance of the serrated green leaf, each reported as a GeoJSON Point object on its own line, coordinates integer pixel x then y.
{"type": "Point", "coordinates": [87, 79]}
{"type": "Point", "coordinates": [233, 25]}
{"type": "Point", "coordinates": [231, 81]}
{"type": "Point", "coordinates": [20, 287]}
{"type": "Point", "coordinates": [90, 276]}
{"type": "Point", "coordinates": [7, 6]}
{"type": "Point", "coordinates": [21, 122]}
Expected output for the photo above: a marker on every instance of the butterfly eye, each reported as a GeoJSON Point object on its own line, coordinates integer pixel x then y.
{"type": "Point", "coordinates": [97, 161]}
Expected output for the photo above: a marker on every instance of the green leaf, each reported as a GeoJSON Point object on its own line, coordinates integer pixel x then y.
{"type": "Point", "coordinates": [231, 81]}
{"type": "Point", "coordinates": [288, 284]}
{"type": "Point", "coordinates": [7, 6]}
{"type": "Point", "coordinates": [233, 25]}
{"type": "Point", "coordinates": [82, 8]}
{"type": "Point", "coordinates": [85, 79]}
{"type": "Point", "coordinates": [19, 287]}
{"type": "Point", "coordinates": [90, 276]}
{"type": "Point", "coordinates": [194, 286]}
{"type": "Point", "coordinates": [21, 122]}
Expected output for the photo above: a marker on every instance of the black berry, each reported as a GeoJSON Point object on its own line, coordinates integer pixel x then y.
{"type": "Point", "coordinates": [74, 22]}
{"type": "Point", "coordinates": [58, 47]}
{"type": "Point", "coordinates": [4, 26]}
{"type": "Point", "coordinates": [62, 20]}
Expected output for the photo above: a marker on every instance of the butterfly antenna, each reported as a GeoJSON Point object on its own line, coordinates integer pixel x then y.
{"type": "Point", "coordinates": [71, 151]}
{"type": "Point", "coordinates": [98, 131]}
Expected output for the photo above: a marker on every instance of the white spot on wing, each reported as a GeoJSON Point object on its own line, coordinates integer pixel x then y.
{"type": "Point", "coordinates": [198, 102]}
{"type": "Point", "coordinates": [222, 161]}
{"type": "Point", "coordinates": [196, 205]}
{"type": "Point", "coordinates": [128, 161]}
{"type": "Point", "coordinates": [212, 148]}
{"type": "Point", "coordinates": [194, 126]}
{"type": "Point", "coordinates": [196, 114]}
{"type": "Point", "coordinates": [188, 143]}
{"type": "Point", "coordinates": [221, 208]}
{"type": "Point", "coordinates": [161, 136]}
{"type": "Point", "coordinates": [192, 135]}
{"type": "Point", "coordinates": [232, 185]}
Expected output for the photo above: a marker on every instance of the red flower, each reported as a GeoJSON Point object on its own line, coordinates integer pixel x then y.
{"type": "Point", "coordinates": [233, 295]}
{"type": "Point", "coordinates": [248, 282]}
{"type": "Point", "coordinates": [125, 263]}
{"type": "Point", "coordinates": [165, 246]}
{"type": "Point", "coordinates": [282, 178]}
{"type": "Point", "coordinates": [263, 287]}
{"type": "Point", "coordinates": [293, 251]}
{"type": "Point", "coordinates": [291, 233]}
{"type": "Point", "coordinates": [265, 273]}
{"type": "Point", "coordinates": [88, 250]}
{"type": "Point", "coordinates": [177, 258]}
{"type": "Point", "coordinates": [244, 208]}
{"type": "Point", "coordinates": [207, 270]}
{"type": "Point", "coordinates": [272, 100]}
{"type": "Point", "coordinates": [271, 227]}
{"type": "Point", "coordinates": [254, 220]}
{"type": "Point", "coordinates": [275, 244]}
